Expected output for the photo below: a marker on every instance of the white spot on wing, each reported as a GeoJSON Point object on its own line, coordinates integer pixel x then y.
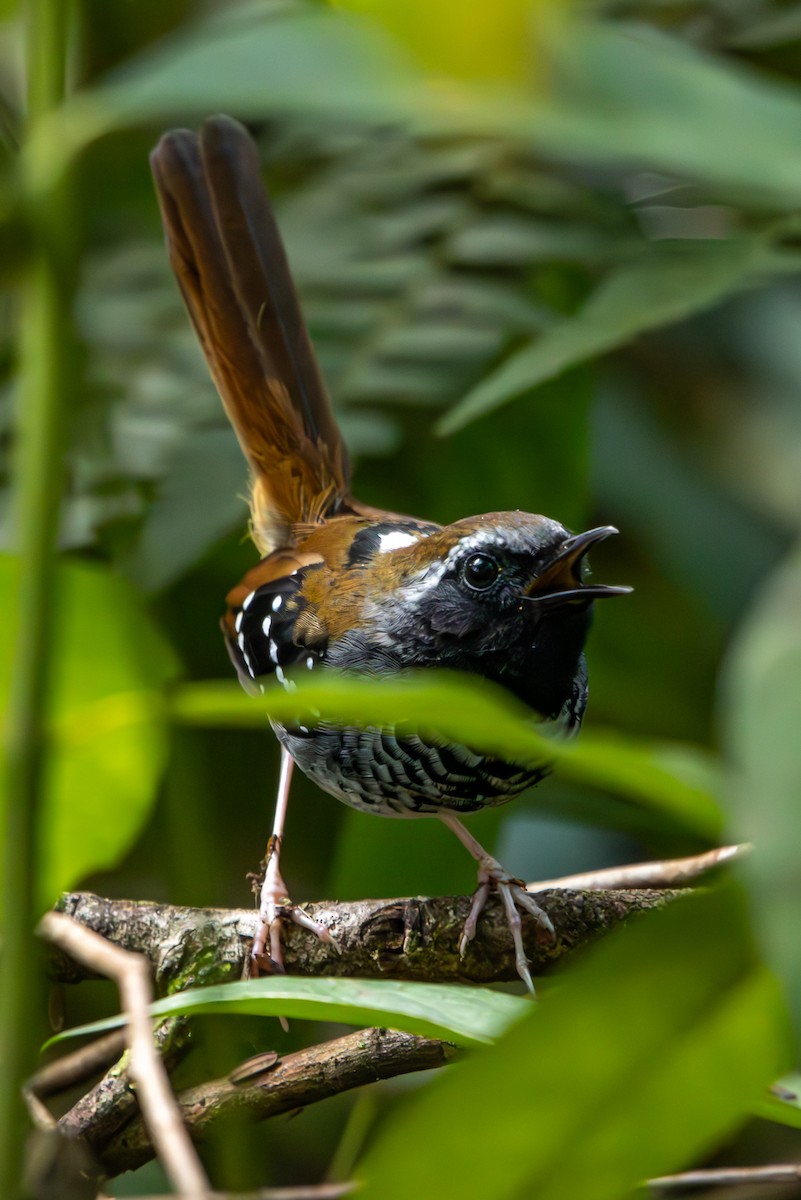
{"type": "Point", "coordinates": [310, 662]}
{"type": "Point", "coordinates": [282, 679]}
{"type": "Point", "coordinates": [395, 541]}
{"type": "Point", "coordinates": [274, 653]}
{"type": "Point", "coordinates": [238, 621]}
{"type": "Point", "coordinates": [277, 602]}
{"type": "Point", "coordinates": [246, 603]}
{"type": "Point", "coordinates": [265, 626]}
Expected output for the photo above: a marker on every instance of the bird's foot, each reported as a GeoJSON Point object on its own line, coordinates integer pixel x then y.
{"type": "Point", "coordinates": [275, 910]}
{"type": "Point", "coordinates": [513, 894]}
{"type": "Point", "coordinates": [267, 952]}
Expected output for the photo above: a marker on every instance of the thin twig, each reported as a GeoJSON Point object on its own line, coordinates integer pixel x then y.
{"type": "Point", "coordinates": [671, 872]}
{"type": "Point", "coordinates": [131, 972]}
{"type": "Point", "coordinates": [727, 1177]}
{"type": "Point", "coordinates": [40, 1114]}
{"type": "Point", "coordinates": [317, 1191]}
{"type": "Point", "coordinates": [78, 1066]}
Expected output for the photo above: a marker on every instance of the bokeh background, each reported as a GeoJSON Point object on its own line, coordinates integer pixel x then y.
{"type": "Point", "coordinates": [550, 260]}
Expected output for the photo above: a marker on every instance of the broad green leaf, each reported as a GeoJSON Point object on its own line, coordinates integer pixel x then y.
{"type": "Point", "coordinates": [108, 734]}
{"type": "Point", "coordinates": [249, 62]}
{"type": "Point", "coordinates": [465, 39]}
{"type": "Point", "coordinates": [468, 1015]}
{"type": "Point", "coordinates": [667, 282]}
{"type": "Point", "coordinates": [761, 724]}
{"type": "Point", "coordinates": [630, 93]}
{"type": "Point", "coordinates": [646, 1054]}
{"type": "Point", "coordinates": [605, 92]}
{"type": "Point", "coordinates": [678, 782]}
{"type": "Point", "coordinates": [598, 92]}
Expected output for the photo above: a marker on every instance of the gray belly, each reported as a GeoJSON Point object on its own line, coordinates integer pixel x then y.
{"type": "Point", "coordinates": [375, 771]}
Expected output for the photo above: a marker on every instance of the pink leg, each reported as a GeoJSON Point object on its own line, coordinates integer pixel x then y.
{"type": "Point", "coordinates": [275, 904]}
{"type": "Point", "coordinates": [512, 892]}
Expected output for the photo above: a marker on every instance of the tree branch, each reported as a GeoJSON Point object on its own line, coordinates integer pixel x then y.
{"type": "Point", "coordinates": [285, 1084]}
{"type": "Point", "coordinates": [670, 872]}
{"type": "Point", "coordinates": [112, 1102]}
{"type": "Point", "coordinates": [404, 938]}
{"type": "Point", "coordinates": [407, 938]}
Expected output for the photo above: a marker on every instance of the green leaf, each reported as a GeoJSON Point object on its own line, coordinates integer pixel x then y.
{"type": "Point", "coordinates": [761, 724]}
{"type": "Point", "coordinates": [108, 732]}
{"type": "Point", "coordinates": [177, 530]}
{"type": "Point", "coordinates": [243, 61]}
{"type": "Point", "coordinates": [626, 93]}
{"type": "Point", "coordinates": [607, 92]}
{"type": "Point", "coordinates": [667, 282]}
{"type": "Point", "coordinates": [653, 1048]}
{"type": "Point", "coordinates": [678, 782]}
{"type": "Point", "coordinates": [468, 1015]}
{"type": "Point", "coordinates": [511, 240]}
{"type": "Point", "coordinates": [783, 1104]}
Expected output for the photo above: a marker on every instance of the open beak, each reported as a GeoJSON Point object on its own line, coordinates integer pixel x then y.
{"type": "Point", "coordinates": [561, 581]}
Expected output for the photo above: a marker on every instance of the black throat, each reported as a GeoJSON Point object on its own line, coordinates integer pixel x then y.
{"type": "Point", "coordinates": [545, 669]}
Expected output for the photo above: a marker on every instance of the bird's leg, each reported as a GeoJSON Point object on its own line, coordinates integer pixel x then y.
{"type": "Point", "coordinates": [275, 904]}
{"type": "Point", "coordinates": [512, 892]}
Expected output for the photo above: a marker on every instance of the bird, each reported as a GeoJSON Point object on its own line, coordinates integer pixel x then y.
{"type": "Point", "coordinates": [345, 587]}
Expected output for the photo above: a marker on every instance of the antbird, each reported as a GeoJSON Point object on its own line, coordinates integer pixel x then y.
{"type": "Point", "coordinates": [341, 585]}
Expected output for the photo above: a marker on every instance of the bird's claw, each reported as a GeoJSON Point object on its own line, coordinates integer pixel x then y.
{"type": "Point", "coordinates": [513, 894]}
{"type": "Point", "coordinates": [275, 910]}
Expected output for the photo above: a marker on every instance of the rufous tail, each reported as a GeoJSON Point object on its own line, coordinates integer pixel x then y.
{"type": "Point", "coordinates": [231, 266]}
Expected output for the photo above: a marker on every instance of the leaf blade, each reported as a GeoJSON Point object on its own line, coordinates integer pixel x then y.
{"type": "Point", "coordinates": [467, 1015]}
{"type": "Point", "coordinates": [681, 783]}
{"type": "Point", "coordinates": [666, 283]}
{"type": "Point", "coordinates": [616, 1116]}
{"type": "Point", "coordinates": [108, 731]}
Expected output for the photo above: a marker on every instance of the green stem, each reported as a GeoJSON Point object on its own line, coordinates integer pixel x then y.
{"type": "Point", "coordinates": [43, 384]}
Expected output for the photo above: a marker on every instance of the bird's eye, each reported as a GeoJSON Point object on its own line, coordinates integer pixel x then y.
{"type": "Point", "coordinates": [480, 572]}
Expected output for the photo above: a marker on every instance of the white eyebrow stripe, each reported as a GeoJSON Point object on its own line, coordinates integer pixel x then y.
{"type": "Point", "coordinates": [487, 538]}
{"type": "Point", "coordinates": [395, 540]}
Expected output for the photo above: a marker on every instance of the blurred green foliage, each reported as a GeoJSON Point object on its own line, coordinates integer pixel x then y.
{"type": "Point", "coordinates": [583, 267]}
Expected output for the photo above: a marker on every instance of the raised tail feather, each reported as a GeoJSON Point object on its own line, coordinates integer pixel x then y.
{"type": "Point", "coordinates": [227, 254]}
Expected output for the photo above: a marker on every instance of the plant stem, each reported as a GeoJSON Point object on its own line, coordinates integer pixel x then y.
{"type": "Point", "coordinates": [44, 355]}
